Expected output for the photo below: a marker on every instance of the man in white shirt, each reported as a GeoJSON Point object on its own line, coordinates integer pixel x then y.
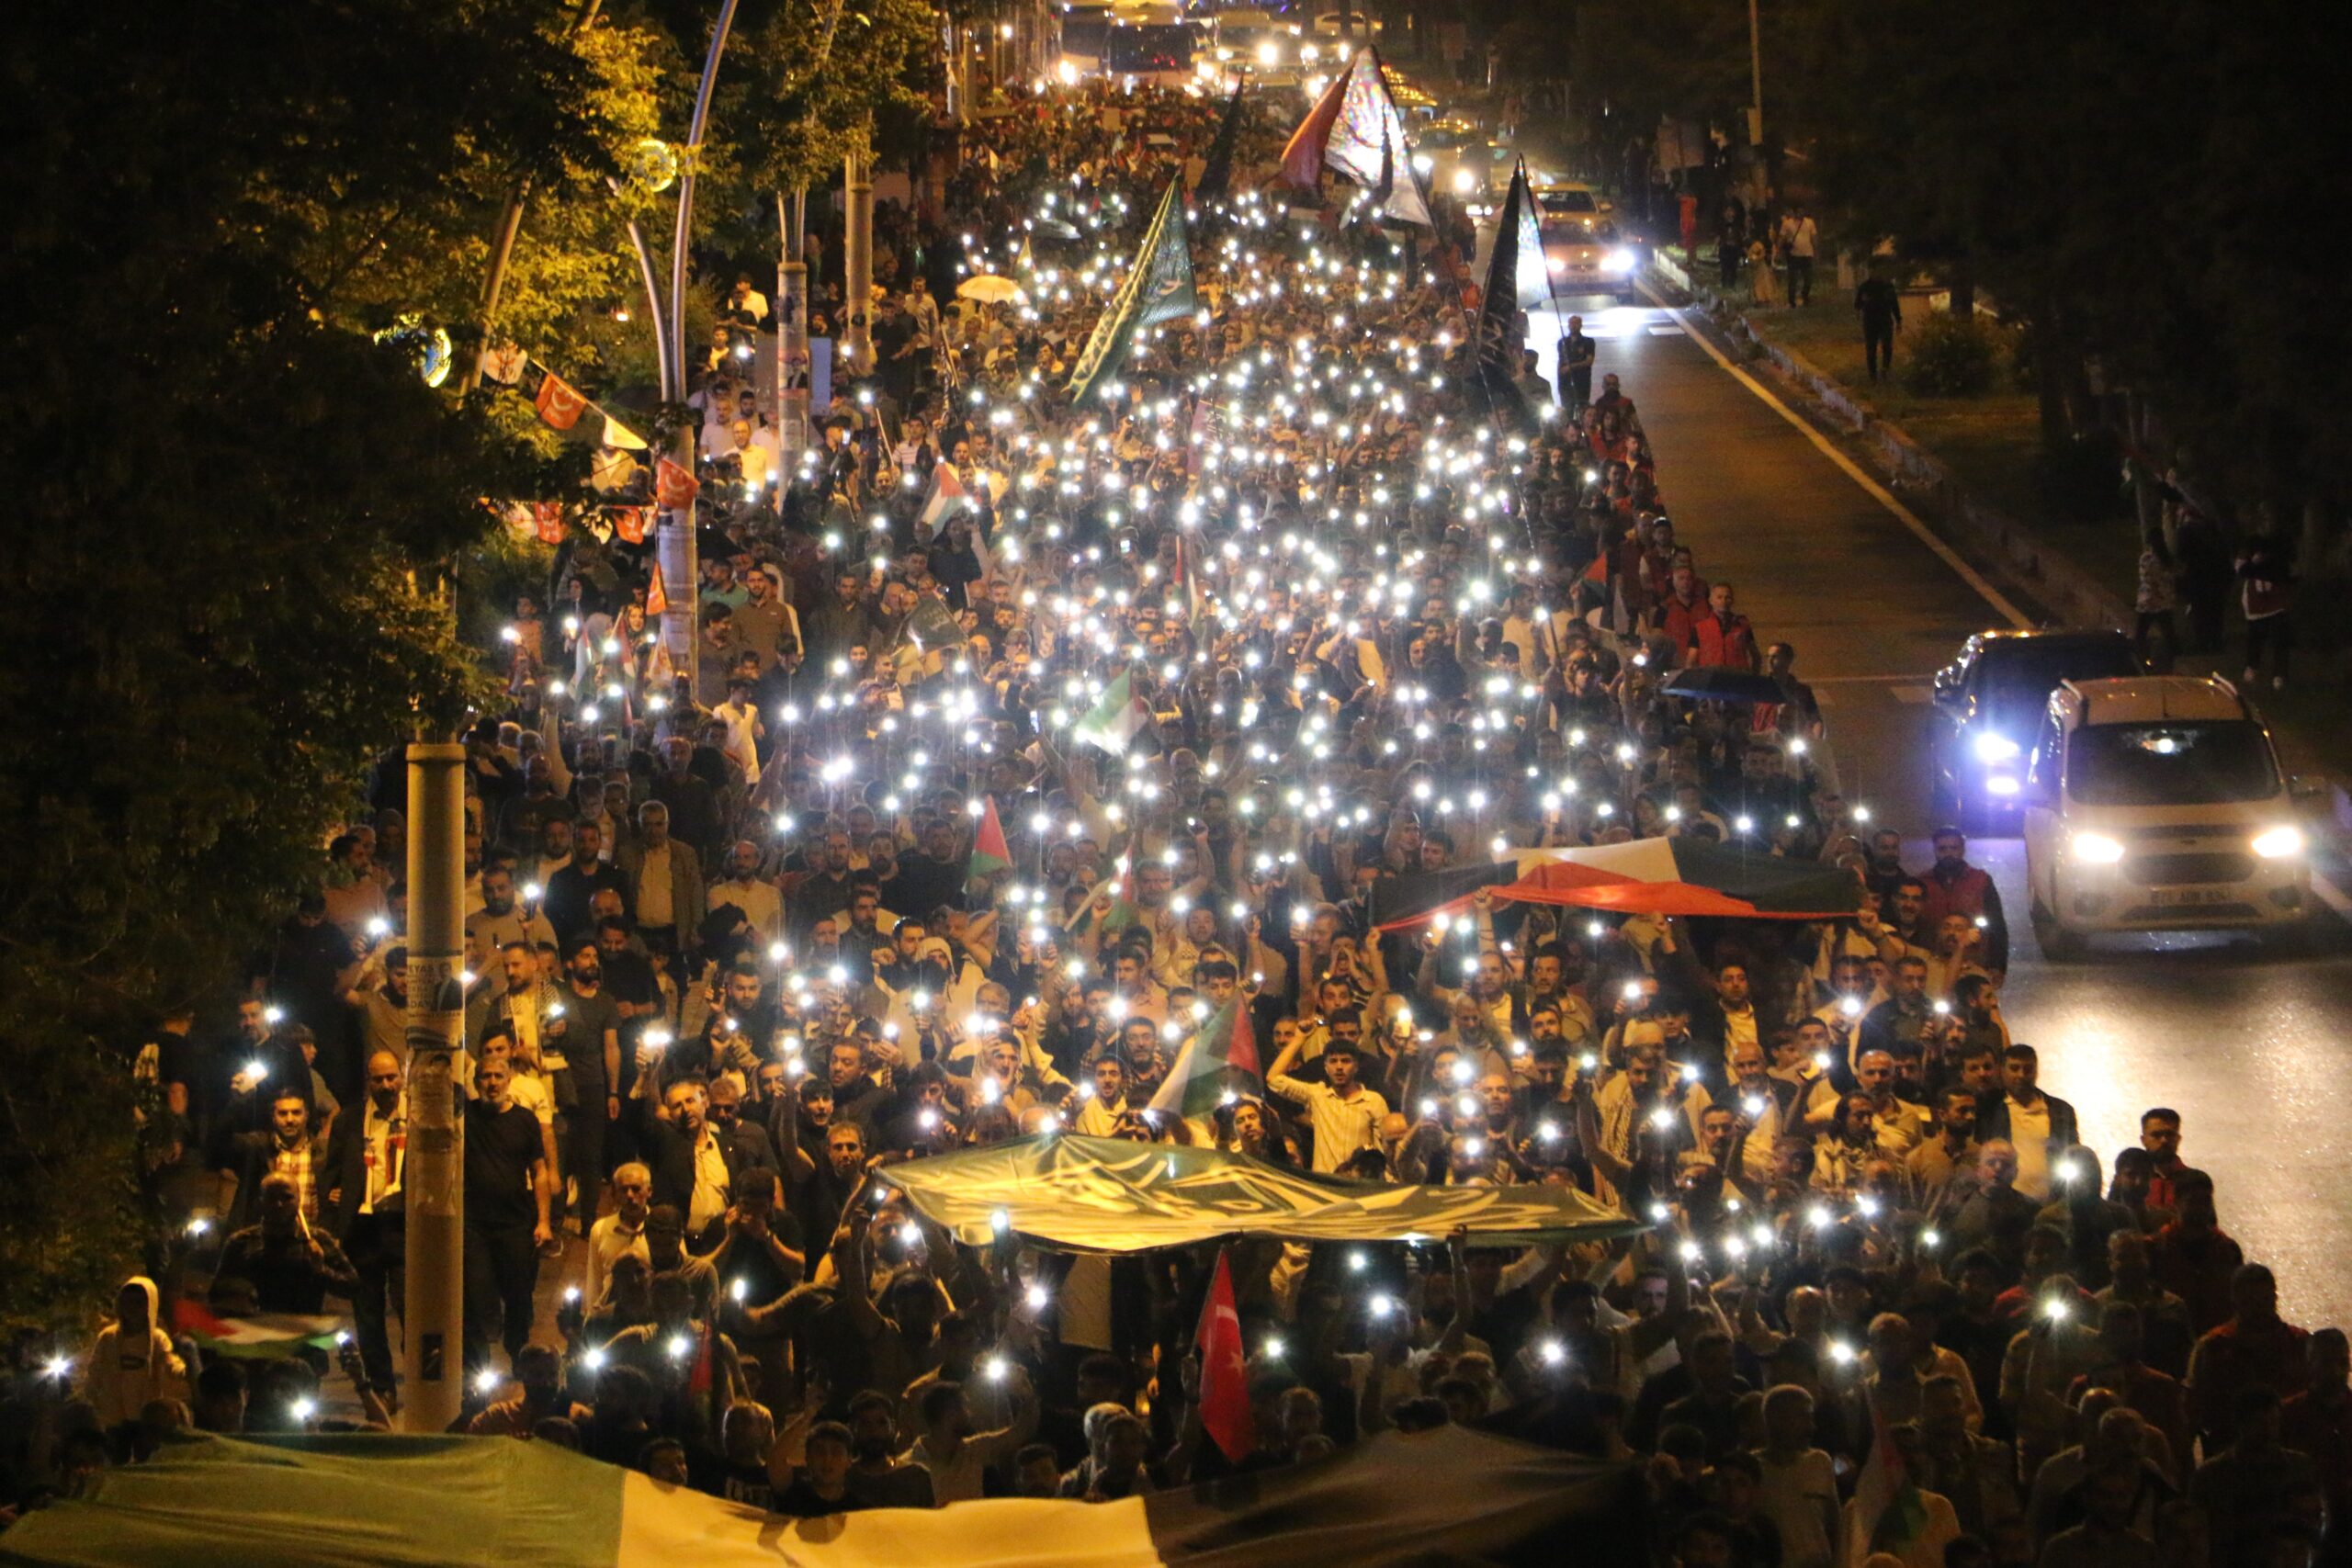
{"type": "Point", "coordinates": [1344, 1114]}
{"type": "Point", "coordinates": [620, 1234]}
{"type": "Point", "coordinates": [959, 1458]}
{"type": "Point", "coordinates": [748, 892]}
{"type": "Point", "coordinates": [1099, 1117]}
{"type": "Point", "coordinates": [740, 715]}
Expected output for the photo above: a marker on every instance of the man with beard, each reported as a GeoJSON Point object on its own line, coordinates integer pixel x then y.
{"type": "Point", "coordinates": [590, 1023]}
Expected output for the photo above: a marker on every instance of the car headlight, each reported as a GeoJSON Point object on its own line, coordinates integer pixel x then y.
{"type": "Point", "coordinates": [1423, 162]}
{"type": "Point", "coordinates": [1618, 260]}
{"type": "Point", "coordinates": [1269, 54]}
{"type": "Point", "coordinates": [2097, 849]}
{"type": "Point", "coordinates": [1554, 264]}
{"type": "Point", "coordinates": [2279, 843]}
{"type": "Point", "coordinates": [1465, 180]}
{"type": "Point", "coordinates": [1992, 748]}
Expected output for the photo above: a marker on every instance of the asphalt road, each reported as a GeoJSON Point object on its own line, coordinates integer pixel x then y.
{"type": "Point", "coordinates": [2253, 1045]}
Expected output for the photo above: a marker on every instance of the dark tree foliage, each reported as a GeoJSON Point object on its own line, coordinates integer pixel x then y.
{"type": "Point", "coordinates": [224, 498]}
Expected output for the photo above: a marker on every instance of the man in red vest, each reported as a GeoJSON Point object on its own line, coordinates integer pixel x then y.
{"type": "Point", "coordinates": [1956, 887]}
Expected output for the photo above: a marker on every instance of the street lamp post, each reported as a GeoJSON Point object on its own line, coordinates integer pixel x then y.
{"type": "Point", "coordinates": [674, 535]}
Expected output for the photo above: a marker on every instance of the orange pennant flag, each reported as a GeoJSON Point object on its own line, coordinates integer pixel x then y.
{"type": "Point", "coordinates": [674, 485]}
{"type": "Point", "coordinates": [549, 517]}
{"type": "Point", "coordinates": [557, 403]}
{"type": "Point", "coordinates": [657, 597]}
{"type": "Point", "coordinates": [628, 522]}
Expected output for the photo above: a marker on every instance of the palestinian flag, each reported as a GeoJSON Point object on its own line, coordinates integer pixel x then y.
{"type": "Point", "coordinates": [1120, 914]}
{"type": "Point", "coordinates": [269, 1333]}
{"type": "Point", "coordinates": [1117, 719]}
{"type": "Point", "coordinates": [1498, 341]}
{"type": "Point", "coordinates": [1885, 1513]}
{"type": "Point", "coordinates": [1223, 1044]}
{"type": "Point", "coordinates": [991, 853]}
{"type": "Point", "coordinates": [1303, 154]}
{"type": "Point", "coordinates": [1159, 289]}
{"type": "Point", "coordinates": [362, 1500]}
{"type": "Point", "coordinates": [1645, 876]}
{"type": "Point", "coordinates": [947, 495]}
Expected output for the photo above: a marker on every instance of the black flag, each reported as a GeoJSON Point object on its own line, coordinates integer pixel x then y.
{"type": "Point", "coordinates": [1217, 177]}
{"type": "Point", "coordinates": [1499, 343]}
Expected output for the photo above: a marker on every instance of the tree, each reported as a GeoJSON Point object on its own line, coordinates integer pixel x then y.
{"type": "Point", "coordinates": [233, 507]}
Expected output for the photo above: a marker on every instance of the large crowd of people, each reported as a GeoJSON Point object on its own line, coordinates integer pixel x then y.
{"type": "Point", "coordinates": [1303, 608]}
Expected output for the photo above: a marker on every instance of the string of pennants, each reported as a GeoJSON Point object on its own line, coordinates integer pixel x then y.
{"type": "Point", "coordinates": [559, 406]}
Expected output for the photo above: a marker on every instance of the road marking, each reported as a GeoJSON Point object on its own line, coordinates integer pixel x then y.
{"type": "Point", "coordinates": [1910, 694]}
{"type": "Point", "coordinates": [1853, 471]}
{"type": "Point", "coordinates": [1664, 331]}
{"type": "Point", "coordinates": [1863, 680]}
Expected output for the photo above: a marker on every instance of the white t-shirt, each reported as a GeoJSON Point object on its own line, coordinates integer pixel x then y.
{"type": "Point", "coordinates": [1800, 1497]}
{"type": "Point", "coordinates": [2030, 1131]}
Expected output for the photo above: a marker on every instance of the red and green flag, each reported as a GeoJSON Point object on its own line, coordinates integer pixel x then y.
{"type": "Point", "coordinates": [1116, 719]}
{"type": "Point", "coordinates": [991, 853]}
{"type": "Point", "coordinates": [1202, 1071]}
{"type": "Point", "coordinates": [272, 1334]}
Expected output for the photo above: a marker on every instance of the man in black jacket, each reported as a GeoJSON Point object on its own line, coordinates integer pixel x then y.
{"type": "Point", "coordinates": [695, 1168]}
{"type": "Point", "coordinates": [2043, 1126]}
{"type": "Point", "coordinates": [367, 1158]}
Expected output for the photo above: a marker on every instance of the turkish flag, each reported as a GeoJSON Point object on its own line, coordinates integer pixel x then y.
{"type": "Point", "coordinates": [548, 517]}
{"type": "Point", "coordinates": [674, 485]}
{"type": "Point", "coordinates": [557, 403]}
{"type": "Point", "coordinates": [628, 522]}
{"type": "Point", "coordinates": [656, 596]}
{"type": "Point", "coordinates": [1225, 1369]}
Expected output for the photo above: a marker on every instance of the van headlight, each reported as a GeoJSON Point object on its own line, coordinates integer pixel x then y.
{"type": "Point", "coordinates": [1992, 748]}
{"type": "Point", "coordinates": [1618, 260]}
{"type": "Point", "coordinates": [2097, 849]}
{"type": "Point", "coordinates": [2281, 842]}
{"type": "Point", "coordinates": [1465, 180]}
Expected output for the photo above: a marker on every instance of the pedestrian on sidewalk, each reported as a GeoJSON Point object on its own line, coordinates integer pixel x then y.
{"type": "Point", "coordinates": [1802, 237]}
{"type": "Point", "coordinates": [1879, 305]}
{"type": "Point", "coordinates": [1731, 239]}
{"type": "Point", "coordinates": [2266, 593]}
{"type": "Point", "coordinates": [1761, 291]}
{"type": "Point", "coordinates": [2158, 597]}
{"type": "Point", "coordinates": [1573, 365]}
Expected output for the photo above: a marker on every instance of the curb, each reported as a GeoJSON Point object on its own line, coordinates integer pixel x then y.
{"type": "Point", "coordinates": [2071, 593]}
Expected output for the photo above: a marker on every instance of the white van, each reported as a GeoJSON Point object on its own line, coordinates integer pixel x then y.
{"type": "Point", "coordinates": [2156, 803]}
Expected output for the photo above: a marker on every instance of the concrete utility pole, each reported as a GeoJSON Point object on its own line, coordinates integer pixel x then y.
{"type": "Point", "coordinates": [433, 1176]}
{"type": "Point", "coordinates": [857, 332]}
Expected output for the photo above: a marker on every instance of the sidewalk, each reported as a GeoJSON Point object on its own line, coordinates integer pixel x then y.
{"type": "Point", "coordinates": [1975, 463]}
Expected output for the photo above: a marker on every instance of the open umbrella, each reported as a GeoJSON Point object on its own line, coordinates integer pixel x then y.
{"type": "Point", "coordinates": [988, 288]}
{"type": "Point", "coordinates": [1711, 683]}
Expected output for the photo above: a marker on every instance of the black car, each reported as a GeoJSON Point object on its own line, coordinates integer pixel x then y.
{"type": "Point", "coordinates": [1987, 702]}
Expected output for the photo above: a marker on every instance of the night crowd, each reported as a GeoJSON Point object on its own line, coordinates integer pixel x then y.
{"type": "Point", "coordinates": [732, 957]}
